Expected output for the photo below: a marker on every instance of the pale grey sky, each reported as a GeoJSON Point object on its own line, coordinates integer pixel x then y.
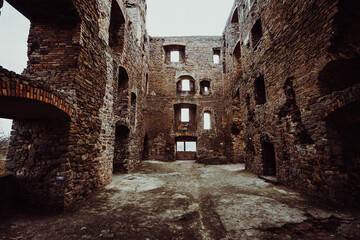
{"type": "Point", "coordinates": [187, 17]}
{"type": "Point", "coordinates": [164, 18]}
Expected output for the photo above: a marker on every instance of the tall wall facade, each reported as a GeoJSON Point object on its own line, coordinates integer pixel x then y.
{"type": "Point", "coordinates": [290, 66]}
{"type": "Point", "coordinates": [80, 49]}
{"type": "Point", "coordinates": [166, 98]}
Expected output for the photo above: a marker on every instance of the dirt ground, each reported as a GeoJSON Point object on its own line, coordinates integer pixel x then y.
{"type": "Point", "coordinates": [185, 200]}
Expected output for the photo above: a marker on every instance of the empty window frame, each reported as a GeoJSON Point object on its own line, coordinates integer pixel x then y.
{"type": "Point", "coordinates": [207, 120]}
{"type": "Point", "coordinates": [180, 146]}
{"type": "Point", "coordinates": [190, 146]}
{"type": "Point", "coordinates": [174, 53]}
{"type": "Point", "coordinates": [256, 34]}
{"type": "Point", "coordinates": [174, 56]}
{"type": "Point", "coordinates": [186, 146]}
{"type": "Point", "coordinates": [205, 88]}
{"type": "Point", "coordinates": [259, 88]}
{"type": "Point", "coordinates": [116, 28]}
{"type": "Point", "coordinates": [185, 85]}
{"type": "Point", "coordinates": [216, 56]}
{"type": "Point", "coordinates": [185, 115]}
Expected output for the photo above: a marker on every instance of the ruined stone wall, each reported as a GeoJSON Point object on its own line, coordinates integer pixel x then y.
{"type": "Point", "coordinates": [288, 86]}
{"type": "Point", "coordinates": [71, 54]}
{"type": "Point", "coordinates": [196, 63]}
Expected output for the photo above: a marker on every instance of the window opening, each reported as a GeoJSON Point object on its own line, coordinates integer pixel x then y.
{"type": "Point", "coordinates": [260, 94]}
{"type": "Point", "coordinates": [185, 115]}
{"type": "Point", "coordinates": [116, 28]}
{"type": "Point", "coordinates": [256, 34]}
{"type": "Point", "coordinates": [185, 85]}
{"type": "Point", "coordinates": [174, 56]}
{"type": "Point", "coordinates": [216, 56]}
{"type": "Point", "coordinates": [180, 146]}
{"type": "Point", "coordinates": [216, 59]}
{"type": "Point", "coordinates": [205, 88]}
{"type": "Point", "coordinates": [207, 120]}
{"type": "Point", "coordinates": [186, 146]}
{"type": "Point", "coordinates": [174, 53]}
{"type": "Point", "coordinates": [190, 146]}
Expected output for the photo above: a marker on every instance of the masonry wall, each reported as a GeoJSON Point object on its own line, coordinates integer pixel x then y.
{"type": "Point", "coordinates": [284, 97]}
{"type": "Point", "coordinates": [71, 54]}
{"type": "Point", "coordinates": [164, 76]}
{"type": "Point", "coordinates": [303, 58]}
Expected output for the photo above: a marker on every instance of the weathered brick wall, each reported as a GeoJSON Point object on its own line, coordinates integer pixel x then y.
{"type": "Point", "coordinates": [297, 43]}
{"type": "Point", "coordinates": [70, 54]}
{"type": "Point", "coordinates": [162, 96]}
{"type": "Point", "coordinates": [287, 85]}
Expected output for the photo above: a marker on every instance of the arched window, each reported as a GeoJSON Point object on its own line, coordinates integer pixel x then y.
{"type": "Point", "coordinates": [117, 28]}
{"type": "Point", "coordinates": [185, 86]}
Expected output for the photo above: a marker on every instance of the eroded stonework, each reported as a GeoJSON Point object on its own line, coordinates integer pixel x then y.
{"type": "Point", "coordinates": [279, 91]}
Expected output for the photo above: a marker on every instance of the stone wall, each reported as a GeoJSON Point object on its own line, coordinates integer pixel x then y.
{"type": "Point", "coordinates": [284, 97]}
{"type": "Point", "coordinates": [164, 94]}
{"type": "Point", "coordinates": [59, 162]}
{"type": "Point", "coordinates": [290, 85]}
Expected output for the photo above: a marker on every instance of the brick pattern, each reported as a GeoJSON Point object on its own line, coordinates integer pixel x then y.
{"type": "Point", "coordinates": [23, 89]}
{"type": "Point", "coordinates": [300, 42]}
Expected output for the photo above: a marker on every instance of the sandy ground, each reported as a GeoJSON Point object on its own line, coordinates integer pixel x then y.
{"type": "Point", "coordinates": [184, 200]}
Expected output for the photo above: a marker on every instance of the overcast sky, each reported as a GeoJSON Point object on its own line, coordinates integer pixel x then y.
{"type": "Point", "coordinates": [164, 18]}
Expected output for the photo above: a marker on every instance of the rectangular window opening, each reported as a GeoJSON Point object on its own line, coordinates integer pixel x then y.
{"type": "Point", "coordinates": [185, 85]}
{"type": "Point", "coordinates": [190, 146]}
{"type": "Point", "coordinates": [185, 115]}
{"type": "Point", "coordinates": [216, 59]}
{"type": "Point", "coordinates": [216, 56]}
{"type": "Point", "coordinates": [207, 121]}
{"type": "Point", "coordinates": [186, 146]}
{"type": "Point", "coordinates": [174, 56]}
{"type": "Point", "coordinates": [180, 146]}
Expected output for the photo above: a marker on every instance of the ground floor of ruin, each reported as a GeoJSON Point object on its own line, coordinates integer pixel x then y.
{"type": "Point", "coordinates": [185, 200]}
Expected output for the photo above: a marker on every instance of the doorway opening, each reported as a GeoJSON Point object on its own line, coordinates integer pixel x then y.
{"type": "Point", "coordinates": [121, 148]}
{"type": "Point", "coordinates": [268, 156]}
